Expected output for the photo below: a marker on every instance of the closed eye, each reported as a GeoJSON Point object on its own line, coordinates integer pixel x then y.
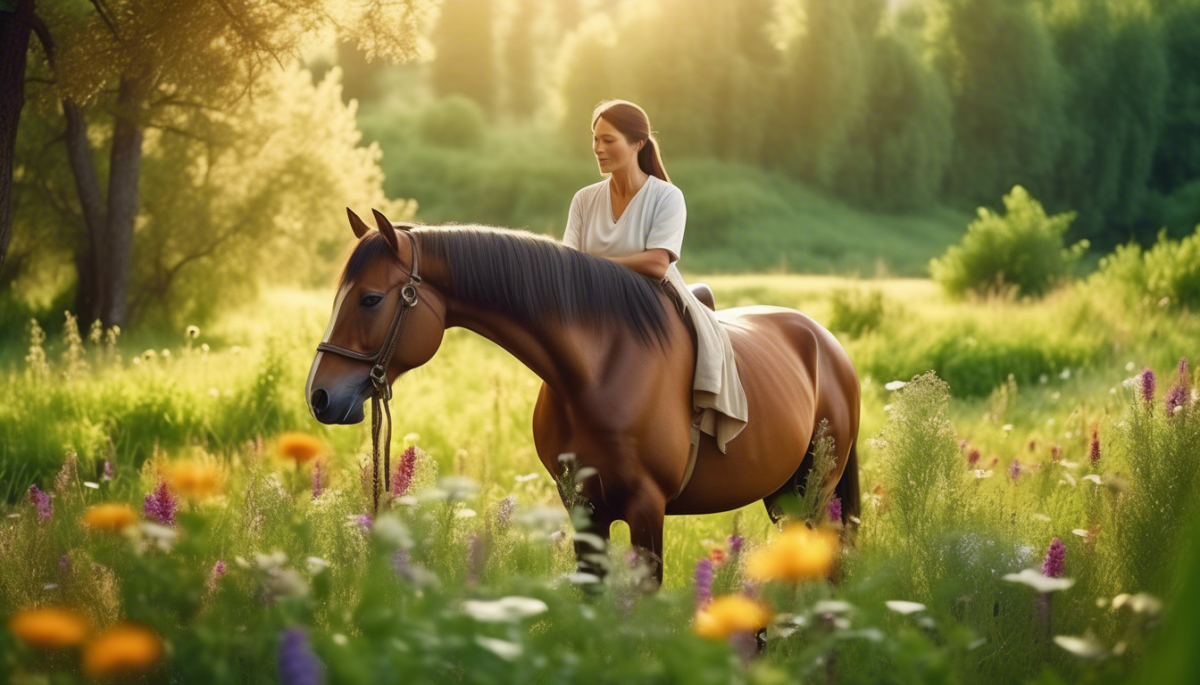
{"type": "Point", "coordinates": [370, 300]}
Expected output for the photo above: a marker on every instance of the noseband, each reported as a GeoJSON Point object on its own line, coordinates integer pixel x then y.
{"type": "Point", "coordinates": [380, 359]}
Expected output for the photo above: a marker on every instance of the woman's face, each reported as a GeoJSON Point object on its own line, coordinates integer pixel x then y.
{"type": "Point", "coordinates": [612, 150]}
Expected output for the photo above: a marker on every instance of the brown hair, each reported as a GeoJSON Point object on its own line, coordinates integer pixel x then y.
{"type": "Point", "coordinates": [633, 123]}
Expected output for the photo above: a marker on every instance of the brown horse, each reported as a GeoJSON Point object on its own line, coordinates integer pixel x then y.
{"type": "Point", "coordinates": [616, 359]}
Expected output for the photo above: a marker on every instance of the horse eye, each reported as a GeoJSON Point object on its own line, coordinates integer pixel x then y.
{"type": "Point", "coordinates": [370, 300]}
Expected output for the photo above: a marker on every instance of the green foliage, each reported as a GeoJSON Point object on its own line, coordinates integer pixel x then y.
{"type": "Point", "coordinates": [855, 311]}
{"type": "Point", "coordinates": [455, 121]}
{"type": "Point", "coordinates": [1166, 274]}
{"type": "Point", "coordinates": [465, 63]}
{"type": "Point", "coordinates": [1022, 250]}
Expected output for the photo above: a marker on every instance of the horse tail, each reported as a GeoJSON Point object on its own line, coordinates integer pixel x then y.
{"type": "Point", "coordinates": [847, 488]}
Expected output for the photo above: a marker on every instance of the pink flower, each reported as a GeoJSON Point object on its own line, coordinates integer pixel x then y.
{"type": "Point", "coordinates": [835, 509]}
{"type": "Point", "coordinates": [1014, 470]}
{"type": "Point", "coordinates": [702, 578]}
{"type": "Point", "coordinates": [1094, 454]}
{"type": "Point", "coordinates": [404, 472]}
{"type": "Point", "coordinates": [41, 500]}
{"type": "Point", "coordinates": [1148, 385]}
{"type": "Point", "coordinates": [1052, 565]}
{"type": "Point", "coordinates": [973, 456]}
{"type": "Point", "coordinates": [160, 505]}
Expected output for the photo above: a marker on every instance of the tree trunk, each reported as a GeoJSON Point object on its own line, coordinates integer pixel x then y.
{"type": "Point", "coordinates": [124, 165]}
{"type": "Point", "coordinates": [89, 262]}
{"type": "Point", "coordinates": [15, 27]}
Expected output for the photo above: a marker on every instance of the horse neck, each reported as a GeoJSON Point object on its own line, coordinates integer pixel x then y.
{"type": "Point", "coordinates": [568, 358]}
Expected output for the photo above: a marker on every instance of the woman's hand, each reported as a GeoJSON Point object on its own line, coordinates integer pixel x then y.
{"type": "Point", "coordinates": [653, 262]}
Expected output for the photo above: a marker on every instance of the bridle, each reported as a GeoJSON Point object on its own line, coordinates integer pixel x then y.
{"type": "Point", "coordinates": [380, 359]}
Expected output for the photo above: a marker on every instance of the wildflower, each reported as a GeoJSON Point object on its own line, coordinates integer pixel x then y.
{"type": "Point", "coordinates": [108, 470]}
{"type": "Point", "coordinates": [49, 627]}
{"type": "Point", "coordinates": [731, 614]}
{"type": "Point", "coordinates": [1086, 647]}
{"type": "Point", "coordinates": [300, 447]}
{"type": "Point", "coordinates": [1052, 565]}
{"type": "Point", "coordinates": [316, 480]}
{"type": "Point", "coordinates": [363, 521]}
{"type": "Point", "coordinates": [902, 607]}
{"type": "Point", "coordinates": [193, 332]}
{"type": "Point", "coordinates": [702, 578]}
{"type": "Point", "coordinates": [64, 564]}
{"type": "Point", "coordinates": [799, 553]}
{"type": "Point", "coordinates": [504, 610]}
{"type": "Point", "coordinates": [1147, 385]}
{"type": "Point", "coordinates": [504, 511]}
{"type": "Point", "coordinates": [1039, 581]}
{"type": "Point", "coordinates": [403, 477]}
{"type": "Point", "coordinates": [41, 500]}
{"type": "Point", "coordinates": [717, 556]}
{"type": "Point", "coordinates": [835, 509]}
{"type": "Point", "coordinates": [67, 473]}
{"type": "Point", "coordinates": [160, 505]}
{"type": "Point", "coordinates": [1014, 470]}
{"type": "Point", "coordinates": [298, 665]}
{"type": "Point", "coordinates": [110, 517]}
{"type": "Point", "coordinates": [1094, 453]}
{"type": "Point", "coordinates": [1032, 445]}
{"type": "Point", "coordinates": [195, 479]}
{"type": "Point", "coordinates": [1055, 453]}
{"type": "Point", "coordinates": [735, 544]}
{"type": "Point", "coordinates": [214, 576]}
{"type": "Point", "coordinates": [973, 456]}
{"type": "Point", "coordinates": [123, 649]}
{"type": "Point", "coordinates": [1179, 394]}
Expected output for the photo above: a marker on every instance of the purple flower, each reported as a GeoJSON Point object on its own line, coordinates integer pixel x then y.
{"type": "Point", "coordinates": [108, 470]}
{"type": "Point", "coordinates": [1183, 369]}
{"type": "Point", "coordinates": [1014, 470]}
{"type": "Point", "coordinates": [316, 480]}
{"type": "Point", "coordinates": [1094, 454]}
{"type": "Point", "coordinates": [1052, 565]}
{"type": "Point", "coordinates": [835, 509]}
{"type": "Point", "coordinates": [735, 544]}
{"type": "Point", "coordinates": [703, 578]}
{"type": "Point", "coordinates": [1148, 385]}
{"type": "Point", "coordinates": [217, 572]}
{"type": "Point", "coordinates": [1177, 397]}
{"type": "Point", "coordinates": [41, 500]}
{"type": "Point", "coordinates": [364, 521]}
{"type": "Point", "coordinates": [298, 665]}
{"type": "Point", "coordinates": [404, 472]}
{"type": "Point", "coordinates": [160, 505]}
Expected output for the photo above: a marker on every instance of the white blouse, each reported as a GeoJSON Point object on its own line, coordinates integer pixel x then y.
{"type": "Point", "coordinates": [655, 217]}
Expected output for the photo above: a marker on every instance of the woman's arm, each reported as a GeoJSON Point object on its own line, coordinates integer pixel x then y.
{"type": "Point", "coordinates": [652, 262]}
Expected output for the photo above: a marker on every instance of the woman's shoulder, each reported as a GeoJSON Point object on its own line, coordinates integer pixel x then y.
{"type": "Point", "coordinates": [591, 189]}
{"type": "Point", "coordinates": [666, 189]}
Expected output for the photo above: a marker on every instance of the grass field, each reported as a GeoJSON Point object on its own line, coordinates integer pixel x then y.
{"type": "Point", "coordinates": [967, 476]}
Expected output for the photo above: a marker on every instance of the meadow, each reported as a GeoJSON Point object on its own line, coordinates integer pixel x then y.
{"type": "Point", "coordinates": [997, 436]}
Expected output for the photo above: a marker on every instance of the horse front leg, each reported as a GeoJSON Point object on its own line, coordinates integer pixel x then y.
{"type": "Point", "coordinates": [644, 513]}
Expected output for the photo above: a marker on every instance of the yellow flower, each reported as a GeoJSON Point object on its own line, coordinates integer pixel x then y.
{"type": "Point", "coordinates": [300, 447]}
{"type": "Point", "coordinates": [49, 627]}
{"type": "Point", "coordinates": [111, 517]}
{"type": "Point", "coordinates": [729, 614]}
{"type": "Point", "coordinates": [195, 479]}
{"type": "Point", "coordinates": [124, 648]}
{"type": "Point", "coordinates": [800, 552]}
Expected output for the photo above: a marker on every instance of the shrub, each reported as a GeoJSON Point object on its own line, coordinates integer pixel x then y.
{"type": "Point", "coordinates": [455, 121]}
{"type": "Point", "coordinates": [1021, 251]}
{"type": "Point", "coordinates": [1170, 269]}
{"type": "Point", "coordinates": [716, 212]}
{"type": "Point", "coordinates": [855, 311]}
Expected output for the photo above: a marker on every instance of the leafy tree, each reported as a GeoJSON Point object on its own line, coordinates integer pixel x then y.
{"type": "Point", "coordinates": [465, 61]}
{"type": "Point", "coordinates": [121, 68]}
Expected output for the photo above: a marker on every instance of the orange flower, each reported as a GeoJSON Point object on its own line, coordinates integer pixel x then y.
{"type": "Point", "coordinates": [717, 556]}
{"type": "Point", "coordinates": [195, 479]}
{"type": "Point", "coordinates": [49, 627]}
{"type": "Point", "coordinates": [110, 517]}
{"type": "Point", "coordinates": [301, 447]}
{"type": "Point", "coordinates": [799, 553]}
{"type": "Point", "coordinates": [729, 614]}
{"type": "Point", "coordinates": [124, 648]}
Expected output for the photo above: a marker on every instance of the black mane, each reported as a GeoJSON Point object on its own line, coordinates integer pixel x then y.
{"type": "Point", "coordinates": [531, 277]}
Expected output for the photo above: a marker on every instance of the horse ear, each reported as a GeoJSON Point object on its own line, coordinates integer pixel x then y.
{"type": "Point", "coordinates": [360, 227]}
{"type": "Point", "coordinates": [387, 229]}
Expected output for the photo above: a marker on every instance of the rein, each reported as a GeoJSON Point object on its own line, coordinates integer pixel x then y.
{"type": "Point", "coordinates": [380, 359]}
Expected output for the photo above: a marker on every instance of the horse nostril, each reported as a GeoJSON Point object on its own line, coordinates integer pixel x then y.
{"type": "Point", "coordinates": [320, 400]}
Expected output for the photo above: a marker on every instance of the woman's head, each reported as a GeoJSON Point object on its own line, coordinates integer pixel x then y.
{"type": "Point", "coordinates": [621, 135]}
